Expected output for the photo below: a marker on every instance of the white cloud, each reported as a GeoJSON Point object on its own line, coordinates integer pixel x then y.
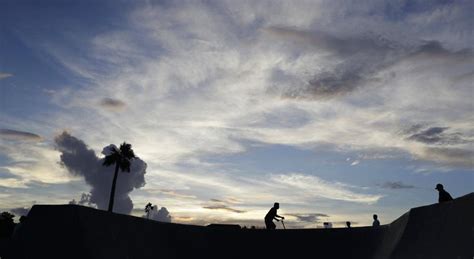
{"type": "Point", "coordinates": [312, 186]}
{"type": "Point", "coordinates": [32, 162]}
{"type": "Point", "coordinates": [355, 162]}
{"type": "Point", "coordinates": [161, 214]}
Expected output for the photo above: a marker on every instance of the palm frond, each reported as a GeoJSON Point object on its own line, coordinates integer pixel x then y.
{"type": "Point", "coordinates": [110, 160]}
{"type": "Point", "coordinates": [125, 165]}
{"type": "Point", "coordinates": [127, 151]}
{"type": "Point", "coordinates": [122, 156]}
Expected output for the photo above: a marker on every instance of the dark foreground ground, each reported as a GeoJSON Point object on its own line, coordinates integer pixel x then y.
{"type": "Point", "coordinates": [70, 231]}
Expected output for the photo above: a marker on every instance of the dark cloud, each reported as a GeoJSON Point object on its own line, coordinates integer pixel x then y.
{"type": "Point", "coordinates": [435, 135]}
{"type": "Point", "coordinates": [19, 135]}
{"type": "Point", "coordinates": [412, 129]}
{"type": "Point", "coordinates": [161, 214]}
{"type": "Point", "coordinates": [327, 84]}
{"type": "Point", "coordinates": [219, 204]}
{"type": "Point", "coordinates": [226, 201]}
{"type": "Point", "coordinates": [341, 46]}
{"type": "Point", "coordinates": [451, 156]}
{"type": "Point", "coordinates": [396, 185]}
{"type": "Point", "coordinates": [361, 59]}
{"type": "Point", "coordinates": [333, 84]}
{"type": "Point", "coordinates": [79, 160]}
{"type": "Point", "coordinates": [223, 207]}
{"type": "Point", "coordinates": [309, 217]}
{"type": "Point", "coordinates": [429, 136]}
{"type": "Point", "coordinates": [20, 211]}
{"type": "Point", "coordinates": [434, 50]}
{"type": "Point", "coordinates": [440, 143]}
{"type": "Point", "coordinates": [112, 104]}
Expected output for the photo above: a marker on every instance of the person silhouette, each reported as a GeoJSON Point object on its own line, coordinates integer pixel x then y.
{"type": "Point", "coordinates": [271, 215]}
{"type": "Point", "coordinates": [348, 224]}
{"type": "Point", "coordinates": [376, 222]}
{"type": "Point", "coordinates": [443, 195]}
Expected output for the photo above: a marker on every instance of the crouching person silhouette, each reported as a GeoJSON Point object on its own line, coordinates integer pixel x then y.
{"type": "Point", "coordinates": [271, 215]}
{"type": "Point", "coordinates": [444, 196]}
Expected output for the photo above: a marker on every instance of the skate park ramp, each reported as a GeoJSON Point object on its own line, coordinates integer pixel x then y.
{"type": "Point", "coordinates": [443, 230]}
{"type": "Point", "coordinates": [71, 231]}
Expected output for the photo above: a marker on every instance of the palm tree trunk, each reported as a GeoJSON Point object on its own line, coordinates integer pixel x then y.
{"type": "Point", "coordinates": [112, 192]}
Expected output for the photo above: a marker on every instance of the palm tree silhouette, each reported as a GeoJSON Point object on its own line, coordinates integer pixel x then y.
{"type": "Point", "coordinates": [148, 209]}
{"type": "Point", "coordinates": [122, 159]}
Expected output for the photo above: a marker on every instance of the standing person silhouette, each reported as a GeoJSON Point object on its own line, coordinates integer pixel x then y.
{"type": "Point", "coordinates": [443, 195]}
{"type": "Point", "coordinates": [376, 221]}
{"type": "Point", "coordinates": [271, 215]}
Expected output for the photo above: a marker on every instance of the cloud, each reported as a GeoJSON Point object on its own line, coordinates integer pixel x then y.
{"type": "Point", "coordinates": [359, 58]}
{"type": "Point", "coordinates": [436, 135]}
{"type": "Point", "coordinates": [10, 134]}
{"type": "Point", "coordinates": [370, 77]}
{"type": "Point", "coordinates": [314, 186]}
{"type": "Point", "coordinates": [227, 201]}
{"type": "Point", "coordinates": [223, 207]}
{"type": "Point", "coordinates": [6, 174]}
{"type": "Point", "coordinates": [396, 185]}
{"type": "Point", "coordinates": [21, 211]}
{"type": "Point", "coordinates": [360, 61]}
{"type": "Point", "coordinates": [308, 217]}
{"type": "Point", "coordinates": [458, 157]}
{"type": "Point", "coordinates": [340, 46]}
{"type": "Point", "coordinates": [355, 162]}
{"type": "Point", "coordinates": [431, 135]}
{"type": "Point", "coordinates": [82, 161]}
{"type": "Point", "coordinates": [174, 193]}
{"type": "Point", "coordinates": [27, 162]}
{"type": "Point", "coordinates": [218, 204]}
{"type": "Point", "coordinates": [161, 214]}
{"type": "Point", "coordinates": [112, 104]}
{"type": "Point", "coordinates": [435, 50]}
{"type": "Point", "coordinates": [217, 200]}
{"type": "Point", "coordinates": [5, 75]}
{"type": "Point", "coordinates": [468, 77]}
{"type": "Point", "coordinates": [442, 145]}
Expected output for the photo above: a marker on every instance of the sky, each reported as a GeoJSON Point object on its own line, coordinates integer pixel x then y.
{"type": "Point", "coordinates": [337, 110]}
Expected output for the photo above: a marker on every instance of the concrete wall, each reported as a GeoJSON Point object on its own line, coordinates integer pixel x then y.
{"type": "Point", "coordinates": [439, 231]}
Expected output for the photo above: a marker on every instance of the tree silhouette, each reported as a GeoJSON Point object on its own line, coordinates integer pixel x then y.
{"type": "Point", "coordinates": [148, 209]}
{"type": "Point", "coordinates": [6, 224]}
{"type": "Point", "coordinates": [7, 216]}
{"type": "Point", "coordinates": [122, 159]}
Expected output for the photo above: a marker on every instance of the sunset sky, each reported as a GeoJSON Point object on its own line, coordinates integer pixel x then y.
{"type": "Point", "coordinates": [336, 109]}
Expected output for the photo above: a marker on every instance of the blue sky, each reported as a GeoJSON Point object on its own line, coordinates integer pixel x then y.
{"type": "Point", "coordinates": [337, 110]}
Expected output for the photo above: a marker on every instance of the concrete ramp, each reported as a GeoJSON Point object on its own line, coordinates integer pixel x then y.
{"type": "Point", "coordinates": [71, 231]}
{"type": "Point", "coordinates": [443, 230]}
